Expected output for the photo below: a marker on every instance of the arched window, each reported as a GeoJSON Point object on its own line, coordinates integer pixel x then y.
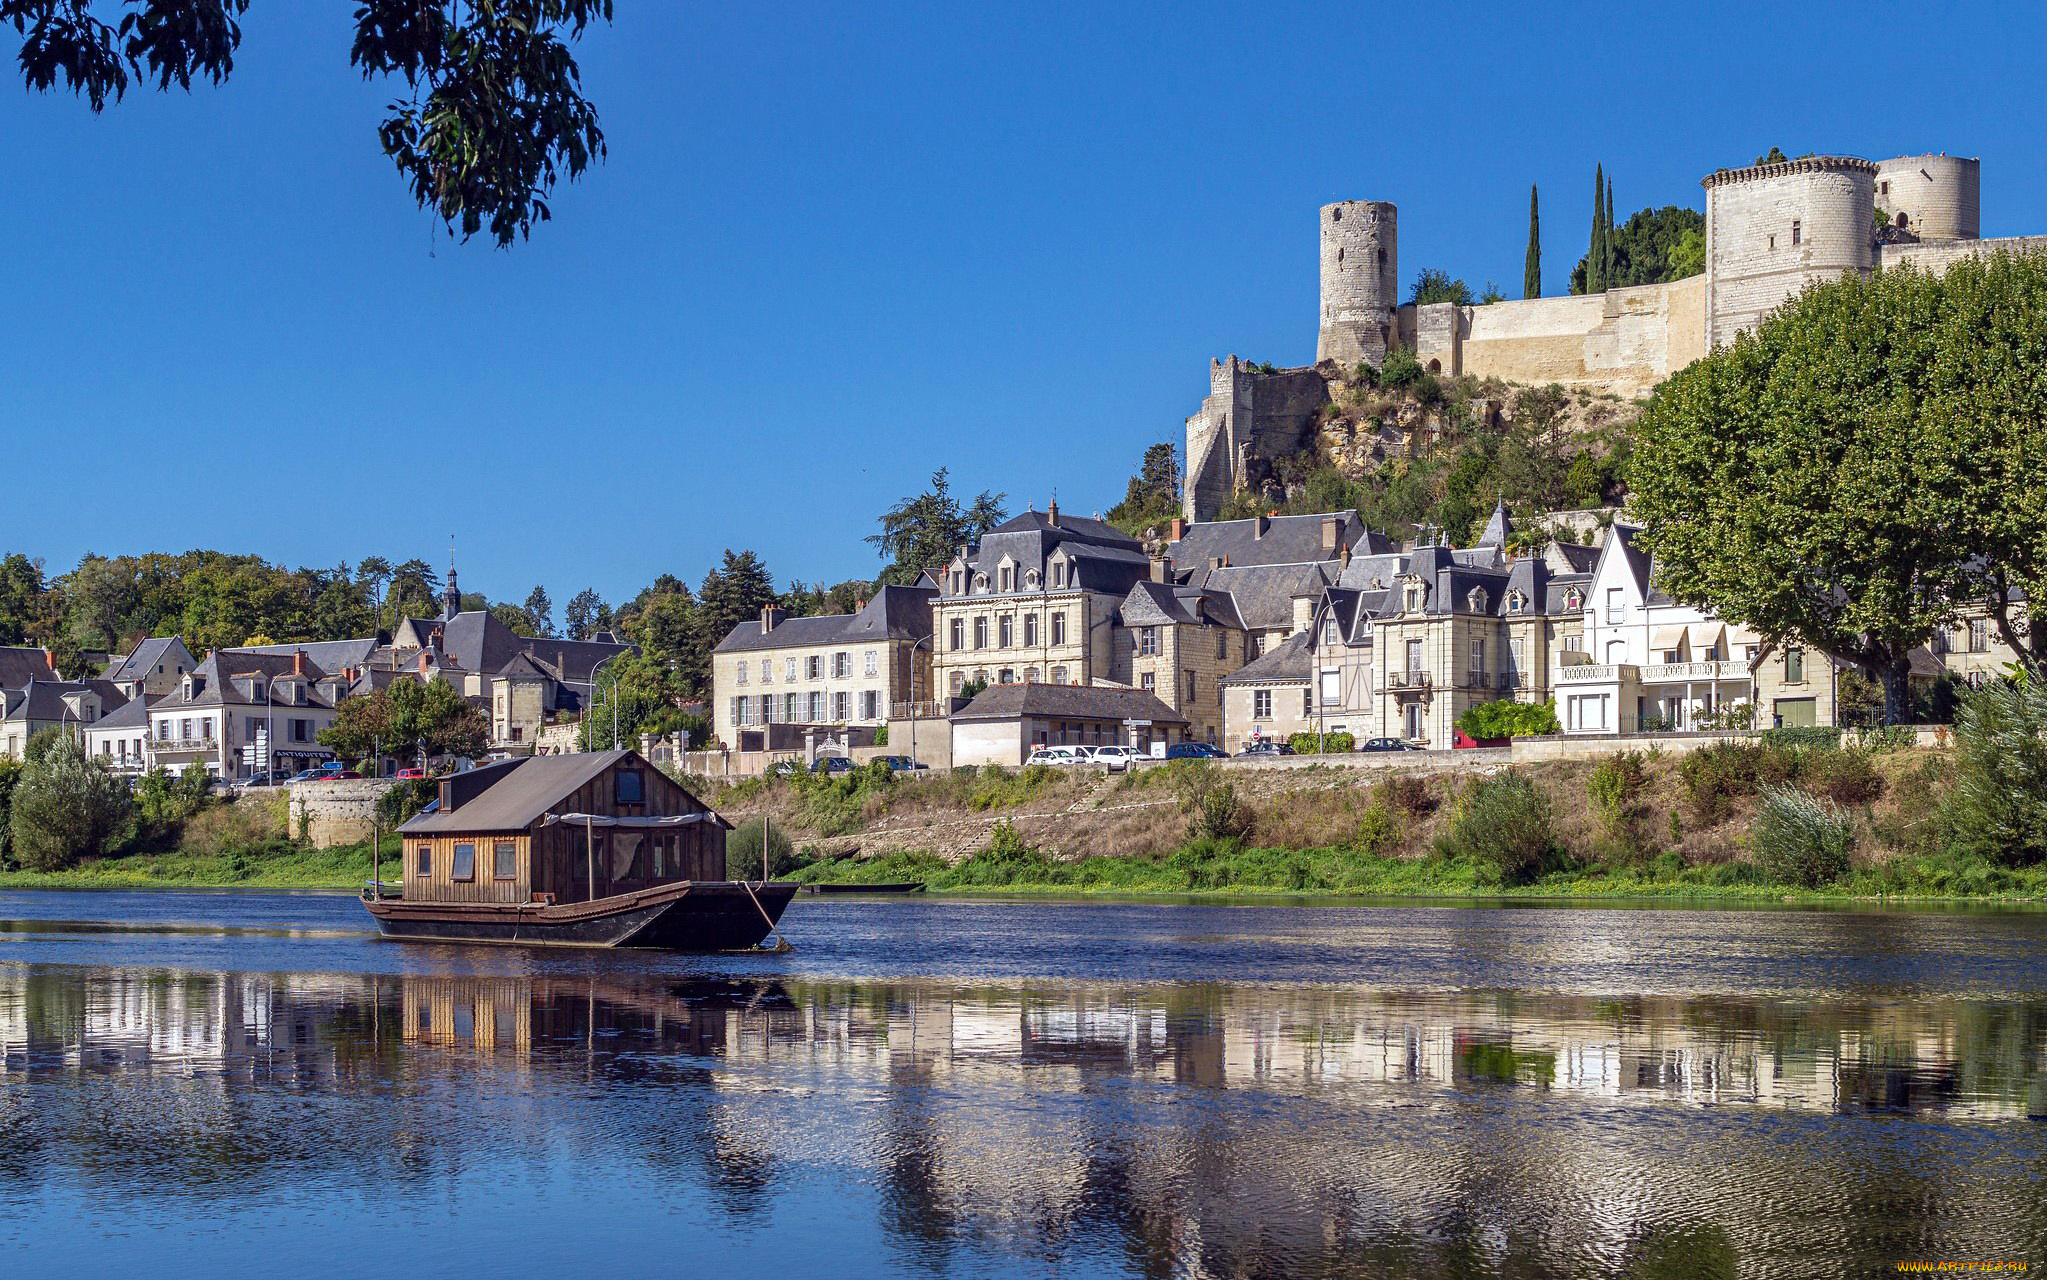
{"type": "Point", "coordinates": [1476, 601]}
{"type": "Point", "coordinates": [981, 582]}
{"type": "Point", "coordinates": [1030, 675]}
{"type": "Point", "coordinates": [1516, 602]}
{"type": "Point", "coordinates": [1574, 599]}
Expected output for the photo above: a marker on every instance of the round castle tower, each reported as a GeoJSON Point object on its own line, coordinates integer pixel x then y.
{"type": "Point", "coordinates": [1360, 281]}
{"type": "Point", "coordinates": [1772, 229]}
{"type": "Point", "coordinates": [1934, 197]}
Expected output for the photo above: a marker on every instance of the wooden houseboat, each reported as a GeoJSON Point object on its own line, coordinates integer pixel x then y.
{"type": "Point", "coordinates": [598, 849]}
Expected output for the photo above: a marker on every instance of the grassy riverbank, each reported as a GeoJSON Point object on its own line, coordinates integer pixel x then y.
{"type": "Point", "coordinates": [278, 866]}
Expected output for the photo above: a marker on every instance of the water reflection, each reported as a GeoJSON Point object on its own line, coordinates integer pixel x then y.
{"type": "Point", "coordinates": [1195, 1129]}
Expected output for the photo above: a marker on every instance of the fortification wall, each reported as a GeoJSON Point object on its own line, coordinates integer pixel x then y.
{"type": "Point", "coordinates": [1624, 340]}
{"type": "Point", "coordinates": [340, 812]}
{"type": "Point", "coordinates": [1360, 281]}
{"type": "Point", "coordinates": [1938, 257]}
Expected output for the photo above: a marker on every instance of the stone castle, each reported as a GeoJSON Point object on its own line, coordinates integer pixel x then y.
{"type": "Point", "coordinates": [1771, 229]}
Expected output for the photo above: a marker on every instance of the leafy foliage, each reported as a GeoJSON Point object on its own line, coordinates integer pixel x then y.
{"type": "Point", "coordinates": [404, 714]}
{"type": "Point", "coordinates": [1153, 494]}
{"type": "Point", "coordinates": [1872, 457]}
{"type": "Point", "coordinates": [1653, 246]}
{"type": "Point", "coordinates": [743, 852]}
{"type": "Point", "coordinates": [1509, 719]}
{"type": "Point", "coordinates": [1531, 267]}
{"type": "Point", "coordinates": [1334, 742]}
{"type": "Point", "coordinates": [65, 805]}
{"type": "Point", "coordinates": [1503, 825]}
{"type": "Point", "coordinates": [1997, 809]}
{"type": "Point", "coordinates": [927, 529]}
{"type": "Point", "coordinates": [1433, 285]}
{"type": "Point", "coordinates": [495, 113]}
{"type": "Point", "coordinates": [1800, 838]}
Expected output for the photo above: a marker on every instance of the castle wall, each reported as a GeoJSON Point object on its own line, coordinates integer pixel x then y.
{"type": "Point", "coordinates": [1247, 419]}
{"type": "Point", "coordinates": [1940, 196]}
{"type": "Point", "coordinates": [1940, 256]}
{"type": "Point", "coordinates": [1624, 340]}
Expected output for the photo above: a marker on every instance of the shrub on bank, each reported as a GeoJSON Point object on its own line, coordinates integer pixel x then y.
{"type": "Point", "coordinates": [1336, 742]}
{"type": "Point", "coordinates": [66, 804]}
{"type": "Point", "coordinates": [1801, 839]}
{"type": "Point", "coordinates": [1997, 810]}
{"type": "Point", "coordinates": [743, 851]}
{"type": "Point", "coordinates": [1502, 825]}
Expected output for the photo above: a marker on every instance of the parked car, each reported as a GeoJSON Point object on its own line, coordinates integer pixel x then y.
{"type": "Point", "coordinates": [1387, 744]}
{"type": "Point", "coordinates": [1266, 747]}
{"type": "Point", "coordinates": [406, 774]}
{"type": "Point", "coordinates": [1059, 756]}
{"type": "Point", "coordinates": [1116, 759]}
{"type": "Point", "coordinates": [832, 764]}
{"type": "Point", "coordinates": [265, 778]}
{"type": "Point", "coordinates": [1195, 751]}
{"type": "Point", "coordinates": [901, 764]}
{"type": "Point", "coordinates": [341, 775]}
{"type": "Point", "coordinates": [307, 775]}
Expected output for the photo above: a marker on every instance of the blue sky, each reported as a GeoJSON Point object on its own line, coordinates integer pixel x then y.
{"type": "Point", "coordinates": [834, 248]}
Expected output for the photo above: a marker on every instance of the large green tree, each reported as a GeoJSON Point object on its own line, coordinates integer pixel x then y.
{"type": "Point", "coordinates": [1153, 494]}
{"type": "Point", "coordinates": [1651, 247]}
{"type": "Point", "coordinates": [491, 113]}
{"type": "Point", "coordinates": [924, 531]}
{"type": "Point", "coordinates": [65, 806]}
{"type": "Point", "coordinates": [1873, 457]}
{"type": "Point", "coordinates": [398, 718]}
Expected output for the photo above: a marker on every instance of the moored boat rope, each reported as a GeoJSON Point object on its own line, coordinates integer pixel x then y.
{"type": "Point", "coordinates": [781, 943]}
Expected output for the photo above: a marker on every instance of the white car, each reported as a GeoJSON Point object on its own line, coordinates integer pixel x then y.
{"type": "Point", "coordinates": [1117, 759]}
{"type": "Point", "coordinates": [1058, 755]}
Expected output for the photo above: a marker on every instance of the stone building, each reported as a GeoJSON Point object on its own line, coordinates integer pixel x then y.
{"type": "Point", "coordinates": [782, 675]}
{"type": "Point", "coordinates": [1034, 602]}
{"type": "Point", "coordinates": [1771, 229]}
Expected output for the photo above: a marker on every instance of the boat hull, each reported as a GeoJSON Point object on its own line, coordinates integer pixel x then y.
{"type": "Point", "coordinates": [690, 916]}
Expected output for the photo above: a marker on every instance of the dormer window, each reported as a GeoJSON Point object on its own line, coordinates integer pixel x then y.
{"type": "Point", "coordinates": [980, 583]}
{"type": "Point", "coordinates": [1058, 573]}
{"type": "Point", "coordinates": [1516, 602]}
{"type": "Point", "coordinates": [1008, 574]}
{"type": "Point", "coordinates": [1574, 599]}
{"type": "Point", "coordinates": [1030, 579]}
{"type": "Point", "coordinates": [1476, 601]}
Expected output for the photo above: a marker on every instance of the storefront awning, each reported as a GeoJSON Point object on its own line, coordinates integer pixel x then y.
{"type": "Point", "coordinates": [1708, 637]}
{"type": "Point", "coordinates": [1666, 638]}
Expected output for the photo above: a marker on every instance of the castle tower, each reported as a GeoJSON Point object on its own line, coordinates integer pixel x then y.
{"type": "Point", "coordinates": [1934, 197]}
{"type": "Point", "coordinates": [1360, 281]}
{"type": "Point", "coordinates": [1772, 229]}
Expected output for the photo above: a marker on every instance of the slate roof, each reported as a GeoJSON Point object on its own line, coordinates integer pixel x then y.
{"type": "Point", "coordinates": [218, 671]}
{"type": "Point", "coordinates": [1287, 663]}
{"type": "Point", "coordinates": [895, 613]}
{"type": "Point", "coordinates": [142, 660]}
{"type": "Point", "coordinates": [1104, 558]}
{"type": "Point", "coordinates": [131, 714]}
{"type": "Point", "coordinates": [1264, 594]}
{"type": "Point", "coordinates": [527, 789]}
{"type": "Point", "coordinates": [328, 655]}
{"type": "Point", "coordinates": [1067, 702]}
{"type": "Point", "coordinates": [44, 699]}
{"type": "Point", "coordinates": [1153, 604]}
{"type": "Point", "coordinates": [19, 665]}
{"type": "Point", "coordinates": [1287, 540]}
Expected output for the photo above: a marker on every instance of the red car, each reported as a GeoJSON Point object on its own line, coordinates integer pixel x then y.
{"type": "Point", "coordinates": [340, 775]}
{"type": "Point", "coordinates": [404, 774]}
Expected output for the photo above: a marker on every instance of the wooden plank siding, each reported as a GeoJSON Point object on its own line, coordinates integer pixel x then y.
{"type": "Point", "coordinates": [556, 859]}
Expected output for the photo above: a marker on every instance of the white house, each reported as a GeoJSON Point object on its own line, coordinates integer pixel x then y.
{"type": "Point", "coordinates": [240, 712]}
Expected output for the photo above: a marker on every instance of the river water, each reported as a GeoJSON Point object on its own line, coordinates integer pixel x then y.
{"type": "Point", "coordinates": [216, 1084]}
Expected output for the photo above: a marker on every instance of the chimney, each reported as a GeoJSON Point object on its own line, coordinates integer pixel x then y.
{"type": "Point", "coordinates": [298, 662]}
{"type": "Point", "coordinates": [771, 617]}
{"type": "Point", "coordinates": [1161, 569]}
{"type": "Point", "coordinates": [1259, 524]}
{"type": "Point", "coordinates": [1331, 534]}
{"type": "Point", "coordinates": [423, 660]}
{"type": "Point", "coordinates": [1176, 530]}
{"type": "Point", "coordinates": [49, 660]}
{"type": "Point", "coordinates": [1052, 513]}
{"type": "Point", "coordinates": [860, 604]}
{"type": "Point", "coordinates": [1214, 563]}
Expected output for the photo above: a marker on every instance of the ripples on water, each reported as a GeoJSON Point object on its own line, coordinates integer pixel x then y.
{"type": "Point", "coordinates": [936, 1088]}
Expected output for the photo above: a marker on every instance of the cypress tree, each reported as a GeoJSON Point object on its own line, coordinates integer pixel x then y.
{"type": "Point", "coordinates": [1595, 256]}
{"type": "Point", "coordinates": [1531, 270]}
{"type": "Point", "coordinates": [1609, 274]}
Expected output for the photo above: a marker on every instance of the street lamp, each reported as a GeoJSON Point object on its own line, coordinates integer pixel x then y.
{"type": "Point", "coordinates": [913, 690]}
{"type": "Point", "coordinates": [614, 699]}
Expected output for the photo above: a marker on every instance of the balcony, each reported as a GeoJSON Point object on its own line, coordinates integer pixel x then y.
{"type": "Point", "coordinates": [1595, 673]}
{"type": "Point", "coordinates": [1407, 679]}
{"type": "Point", "coordinates": [1476, 679]}
{"type": "Point", "coordinates": [1661, 672]}
{"type": "Point", "coordinates": [166, 745]}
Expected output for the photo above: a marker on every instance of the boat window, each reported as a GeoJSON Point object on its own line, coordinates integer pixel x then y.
{"type": "Point", "coordinates": [423, 859]}
{"type": "Point", "coordinates": [632, 786]}
{"type": "Point", "coordinates": [625, 855]}
{"type": "Point", "coordinates": [465, 862]}
{"type": "Point", "coordinates": [504, 863]}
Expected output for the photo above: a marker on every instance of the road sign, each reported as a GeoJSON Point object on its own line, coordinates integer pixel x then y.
{"type": "Point", "coordinates": [1137, 724]}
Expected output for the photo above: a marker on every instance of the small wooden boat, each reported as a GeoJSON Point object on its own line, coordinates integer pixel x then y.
{"type": "Point", "coordinates": [685, 916]}
{"type": "Point", "coordinates": [598, 849]}
{"type": "Point", "coordinates": [903, 886]}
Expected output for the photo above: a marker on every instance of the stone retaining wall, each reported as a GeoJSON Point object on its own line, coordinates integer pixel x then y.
{"type": "Point", "coordinates": [332, 813]}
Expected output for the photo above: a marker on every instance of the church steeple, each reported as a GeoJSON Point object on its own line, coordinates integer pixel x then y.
{"type": "Point", "coordinates": [451, 599]}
